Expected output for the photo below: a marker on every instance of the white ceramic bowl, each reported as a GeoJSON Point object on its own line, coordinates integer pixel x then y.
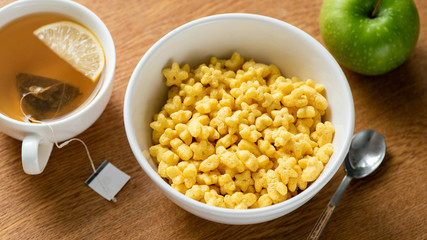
{"type": "Point", "coordinates": [265, 39]}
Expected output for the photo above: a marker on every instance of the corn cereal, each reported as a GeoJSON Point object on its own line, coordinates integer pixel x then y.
{"type": "Point", "coordinates": [237, 134]}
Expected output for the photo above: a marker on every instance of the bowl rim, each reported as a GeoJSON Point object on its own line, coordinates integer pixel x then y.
{"type": "Point", "coordinates": [290, 203]}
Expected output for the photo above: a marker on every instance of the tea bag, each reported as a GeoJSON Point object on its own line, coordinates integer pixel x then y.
{"type": "Point", "coordinates": [41, 95]}
{"type": "Point", "coordinates": [107, 180]}
{"type": "Point", "coordinates": [44, 96]}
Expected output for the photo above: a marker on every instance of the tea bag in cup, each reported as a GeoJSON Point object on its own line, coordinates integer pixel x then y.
{"type": "Point", "coordinates": [43, 97]}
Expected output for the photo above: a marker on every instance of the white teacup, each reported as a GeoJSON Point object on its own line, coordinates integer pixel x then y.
{"type": "Point", "coordinates": [37, 139]}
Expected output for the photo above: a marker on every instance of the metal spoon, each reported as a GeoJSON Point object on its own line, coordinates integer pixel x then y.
{"type": "Point", "coordinates": [367, 151]}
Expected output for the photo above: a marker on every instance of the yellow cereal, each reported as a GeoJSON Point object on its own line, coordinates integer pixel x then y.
{"type": "Point", "coordinates": [210, 163]}
{"type": "Point", "coordinates": [175, 175]}
{"type": "Point", "coordinates": [174, 75]}
{"type": "Point", "coordinates": [237, 134]}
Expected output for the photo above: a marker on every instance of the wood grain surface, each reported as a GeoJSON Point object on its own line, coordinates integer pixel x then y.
{"type": "Point", "coordinates": [389, 204]}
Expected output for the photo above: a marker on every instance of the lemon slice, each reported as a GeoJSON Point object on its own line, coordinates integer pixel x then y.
{"type": "Point", "coordinates": [76, 45]}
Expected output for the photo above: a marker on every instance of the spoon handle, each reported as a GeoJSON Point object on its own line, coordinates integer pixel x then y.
{"type": "Point", "coordinates": [327, 212]}
{"type": "Point", "coordinates": [321, 222]}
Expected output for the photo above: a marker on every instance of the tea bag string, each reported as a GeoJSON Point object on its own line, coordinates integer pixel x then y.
{"type": "Point", "coordinates": [35, 90]}
{"type": "Point", "coordinates": [67, 142]}
{"type": "Point", "coordinates": [28, 119]}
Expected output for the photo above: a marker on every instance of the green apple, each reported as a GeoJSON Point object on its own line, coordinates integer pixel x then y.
{"type": "Point", "coordinates": [370, 37]}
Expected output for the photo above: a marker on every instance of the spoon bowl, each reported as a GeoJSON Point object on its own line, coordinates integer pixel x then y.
{"type": "Point", "coordinates": [367, 151]}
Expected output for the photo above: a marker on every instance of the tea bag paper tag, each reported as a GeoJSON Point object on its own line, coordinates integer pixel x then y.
{"type": "Point", "coordinates": [107, 180]}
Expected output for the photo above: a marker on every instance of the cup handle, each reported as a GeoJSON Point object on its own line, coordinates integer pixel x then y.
{"type": "Point", "coordinates": [35, 154]}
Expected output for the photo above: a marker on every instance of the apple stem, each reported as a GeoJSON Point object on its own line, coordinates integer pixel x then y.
{"type": "Point", "coordinates": [374, 13]}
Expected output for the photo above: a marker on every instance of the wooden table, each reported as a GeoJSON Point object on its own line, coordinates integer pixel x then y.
{"type": "Point", "coordinates": [389, 204]}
